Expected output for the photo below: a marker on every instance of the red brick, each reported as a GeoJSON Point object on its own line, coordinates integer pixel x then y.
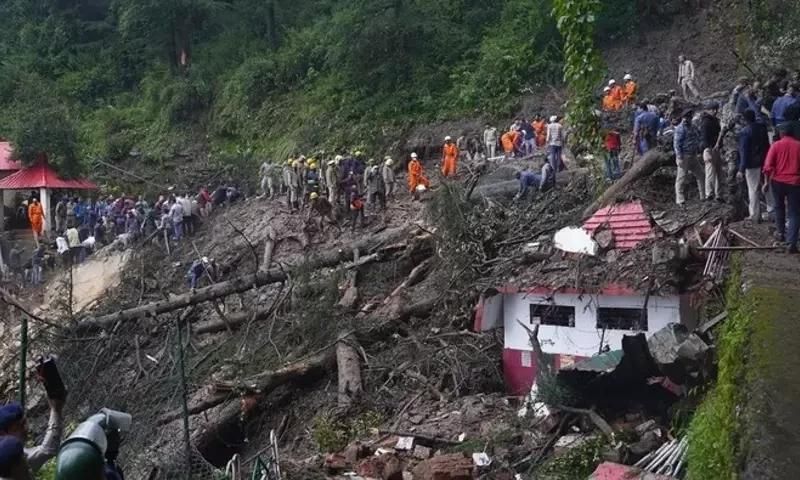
{"type": "Point", "coordinates": [445, 467]}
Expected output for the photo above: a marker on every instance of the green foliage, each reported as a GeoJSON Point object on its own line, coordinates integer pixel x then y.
{"type": "Point", "coordinates": [271, 76]}
{"type": "Point", "coordinates": [577, 463]}
{"type": "Point", "coordinates": [48, 471]}
{"type": "Point", "coordinates": [715, 429]}
{"type": "Point", "coordinates": [333, 434]}
{"type": "Point", "coordinates": [583, 71]}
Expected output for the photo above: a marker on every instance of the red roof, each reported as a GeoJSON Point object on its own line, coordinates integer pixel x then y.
{"type": "Point", "coordinates": [6, 163]}
{"type": "Point", "coordinates": [42, 175]}
{"type": "Point", "coordinates": [629, 222]}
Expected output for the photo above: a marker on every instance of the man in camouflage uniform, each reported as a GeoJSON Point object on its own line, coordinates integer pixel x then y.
{"type": "Point", "coordinates": [735, 193]}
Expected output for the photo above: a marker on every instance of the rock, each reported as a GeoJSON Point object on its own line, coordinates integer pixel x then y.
{"type": "Point", "coordinates": [384, 467]}
{"type": "Point", "coordinates": [613, 453]}
{"type": "Point", "coordinates": [422, 453]}
{"type": "Point", "coordinates": [650, 441]}
{"type": "Point", "coordinates": [570, 441]}
{"type": "Point", "coordinates": [355, 452]}
{"type": "Point", "coordinates": [335, 463]}
{"type": "Point", "coordinates": [677, 352]}
{"type": "Point", "coordinates": [645, 427]}
{"type": "Point", "coordinates": [604, 238]}
{"type": "Point", "coordinates": [445, 467]}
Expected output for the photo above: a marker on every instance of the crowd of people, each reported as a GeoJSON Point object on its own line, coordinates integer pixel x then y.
{"type": "Point", "coordinates": [82, 225]}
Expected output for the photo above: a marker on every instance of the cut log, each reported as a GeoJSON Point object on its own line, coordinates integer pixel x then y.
{"type": "Point", "coordinates": [269, 249]}
{"type": "Point", "coordinates": [234, 321]}
{"type": "Point", "coordinates": [348, 364]}
{"type": "Point", "coordinates": [200, 295]}
{"type": "Point", "coordinates": [649, 163]}
{"type": "Point", "coordinates": [350, 286]}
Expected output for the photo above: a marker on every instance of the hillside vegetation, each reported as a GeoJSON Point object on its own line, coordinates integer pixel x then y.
{"type": "Point", "coordinates": [95, 79]}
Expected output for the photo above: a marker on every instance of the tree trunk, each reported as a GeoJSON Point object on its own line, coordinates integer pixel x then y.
{"type": "Point", "coordinates": [269, 249]}
{"type": "Point", "coordinates": [509, 188]}
{"type": "Point", "coordinates": [348, 365]}
{"type": "Point", "coordinates": [649, 163]}
{"type": "Point", "coordinates": [200, 295]}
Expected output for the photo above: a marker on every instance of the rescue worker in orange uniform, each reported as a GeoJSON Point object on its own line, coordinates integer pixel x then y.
{"type": "Point", "coordinates": [36, 217]}
{"type": "Point", "coordinates": [629, 90]}
{"type": "Point", "coordinates": [540, 129]}
{"type": "Point", "coordinates": [616, 95]}
{"type": "Point", "coordinates": [449, 157]}
{"type": "Point", "coordinates": [416, 176]}
{"type": "Point", "coordinates": [509, 141]}
{"type": "Point", "coordinates": [608, 102]}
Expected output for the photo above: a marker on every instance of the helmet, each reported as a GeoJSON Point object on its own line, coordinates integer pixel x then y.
{"type": "Point", "coordinates": [612, 82]}
{"type": "Point", "coordinates": [358, 153]}
{"type": "Point", "coordinates": [295, 163]}
{"type": "Point", "coordinates": [314, 196]}
{"type": "Point", "coordinates": [338, 158]}
{"type": "Point", "coordinates": [607, 89]}
{"type": "Point", "coordinates": [413, 155]}
{"type": "Point", "coordinates": [553, 118]}
{"type": "Point", "coordinates": [421, 188]}
{"type": "Point", "coordinates": [371, 161]}
{"type": "Point", "coordinates": [389, 162]}
{"type": "Point", "coordinates": [290, 162]}
{"type": "Point", "coordinates": [79, 459]}
{"type": "Point", "coordinates": [628, 76]}
{"type": "Point", "coordinates": [448, 138]}
{"type": "Point", "coordinates": [331, 163]}
{"type": "Point", "coordinates": [312, 166]}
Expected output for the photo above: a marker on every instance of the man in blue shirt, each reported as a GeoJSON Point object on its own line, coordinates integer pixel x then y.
{"type": "Point", "coordinates": [753, 147]}
{"type": "Point", "coordinates": [782, 103]}
{"type": "Point", "coordinates": [645, 129]}
{"type": "Point", "coordinates": [539, 181]}
{"type": "Point", "coordinates": [686, 144]}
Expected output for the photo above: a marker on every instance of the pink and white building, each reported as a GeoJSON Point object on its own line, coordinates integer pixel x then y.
{"type": "Point", "coordinates": [578, 324]}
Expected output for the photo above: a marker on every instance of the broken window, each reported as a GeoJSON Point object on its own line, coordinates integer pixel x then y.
{"type": "Point", "coordinates": [622, 318]}
{"type": "Point", "coordinates": [552, 315]}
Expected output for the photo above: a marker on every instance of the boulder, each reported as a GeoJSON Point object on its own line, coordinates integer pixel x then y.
{"type": "Point", "coordinates": [383, 467]}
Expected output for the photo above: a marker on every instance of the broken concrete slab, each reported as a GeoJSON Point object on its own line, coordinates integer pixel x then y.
{"type": "Point", "coordinates": [575, 240]}
{"type": "Point", "coordinates": [615, 471]}
{"type": "Point", "coordinates": [570, 441]}
{"type": "Point", "coordinates": [445, 467]}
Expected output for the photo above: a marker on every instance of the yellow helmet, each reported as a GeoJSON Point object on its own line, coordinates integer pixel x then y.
{"type": "Point", "coordinates": [312, 166]}
{"type": "Point", "coordinates": [290, 162]}
{"type": "Point", "coordinates": [314, 195]}
{"type": "Point", "coordinates": [295, 164]}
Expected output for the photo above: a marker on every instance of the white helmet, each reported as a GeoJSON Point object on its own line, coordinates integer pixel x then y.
{"type": "Point", "coordinates": [607, 89]}
{"type": "Point", "coordinates": [337, 158]}
{"type": "Point", "coordinates": [447, 138]}
{"type": "Point", "coordinates": [628, 76]}
{"type": "Point", "coordinates": [331, 163]}
{"type": "Point", "coordinates": [421, 188]}
{"type": "Point", "coordinates": [389, 162]}
{"type": "Point", "coordinates": [612, 82]}
{"type": "Point", "coordinates": [553, 119]}
{"type": "Point", "coordinates": [413, 155]}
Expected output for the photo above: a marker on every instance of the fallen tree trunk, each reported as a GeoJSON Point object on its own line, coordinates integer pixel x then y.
{"type": "Point", "coordinates": [509, 188]}
{"type": "Point", "coordinates": [649, 163]}
{"type": "Point", "coordinates": [237, 285]}
{"type": "Point", "coordinates": [267, 381]}
{"type": "Point", "coordinates": [200, 295]}
{"type": "Point", "coordinates": [348, 364]}
{"type": "Point", "coordinates": [234, 321]}
{"type": "Point", "coordinates": [269, 249]}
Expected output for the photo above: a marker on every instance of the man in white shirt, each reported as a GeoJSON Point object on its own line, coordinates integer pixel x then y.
{"type": "Point", "coordinates": [555, 143]}
{"type": "Point", "coordinates": [176, 215]}
{"type": "Point", "coordinates": [490, 141]}
{"type": "Point", "coordinates": [686, 77]}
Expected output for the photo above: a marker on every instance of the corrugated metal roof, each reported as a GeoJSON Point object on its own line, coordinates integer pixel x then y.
{"type": "Point", "coordinates": [6, 163]}
{"type": "Point", "coordinates": [629, 222]}
{"type": "Point", "coordinates": [42, 175]}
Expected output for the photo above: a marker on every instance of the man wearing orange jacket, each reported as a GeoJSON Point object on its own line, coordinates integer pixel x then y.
{"type": "Point", "coordinates": [416, 176]}
{"type": "Point", "coordinates": [509, 141]}
{"type": "Point", "coordinates": [616, 95]}
{"type": "Point", "coordinates": [608, 102]}
{"type": "Point", "coordinates": [36, 217]}
{"type": "Point", "coordinates": [540, 129]}
{"type": "Point", "coordinates": [449, 157]}
{"type": "Point", "coordinates": [629, 90]}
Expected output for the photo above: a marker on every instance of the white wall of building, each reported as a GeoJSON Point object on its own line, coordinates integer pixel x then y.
{"type": "Point", "coordinates": [584, 339]}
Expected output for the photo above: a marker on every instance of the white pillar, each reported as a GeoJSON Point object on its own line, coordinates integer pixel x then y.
{"type": "Point", "coordinates": [44, 198]}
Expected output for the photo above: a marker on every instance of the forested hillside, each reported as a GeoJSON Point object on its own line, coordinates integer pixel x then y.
{"type": "Point", "coordinates": [86, 79]}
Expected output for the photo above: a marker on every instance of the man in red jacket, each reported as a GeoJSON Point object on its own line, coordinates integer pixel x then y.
{"type": "Point", "coordinates": [613, 144]}
{"type": "Point", "coordinates": [782, 170]}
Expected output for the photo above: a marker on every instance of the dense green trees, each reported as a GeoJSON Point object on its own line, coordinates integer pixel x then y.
{"type": "Point", "coordinates": [267, 76]}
